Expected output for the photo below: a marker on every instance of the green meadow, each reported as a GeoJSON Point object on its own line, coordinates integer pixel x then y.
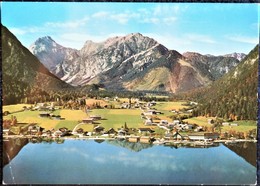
{"type": "Point", "coordinates": [112, 118]}
{"type": "Point", "coordinates": [243, 126]}
{"type": "Point", "coordinates": [115, 118]}
{"type": "Point", "coordinates": [14, 108]}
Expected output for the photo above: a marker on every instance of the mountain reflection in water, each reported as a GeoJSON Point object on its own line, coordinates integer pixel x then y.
{"type": "Point", "coordinates": [11, 147]}
{"type": "Point", "coordinates": [120, 162]}
{"type": "Point", "coordinates": [246, 150]}
{"type": "Point", "coordinates": [136, 147]}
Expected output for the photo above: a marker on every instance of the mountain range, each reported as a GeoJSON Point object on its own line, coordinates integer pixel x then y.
{"type": "Point", "coordinates": [132, 62]}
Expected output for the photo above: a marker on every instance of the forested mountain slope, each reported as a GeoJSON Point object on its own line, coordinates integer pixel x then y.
{"type": "Point", "coordinates": [233, 96]}
{"type": "Point", "coordinates": [23, 74]}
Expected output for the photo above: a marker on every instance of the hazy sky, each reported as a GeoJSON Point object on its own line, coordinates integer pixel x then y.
{"type": "Point", "coordinates": [207, 28]}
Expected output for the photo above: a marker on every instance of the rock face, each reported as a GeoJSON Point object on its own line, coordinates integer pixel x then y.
{"type": "Point", "coordinates": [53, 55]}
{"type": "Point", "coordinates": [238, 56]}
{"type": "Point", "coordinates": [216, 65]}
{"type": "Point", "coordinates": [132, 62]}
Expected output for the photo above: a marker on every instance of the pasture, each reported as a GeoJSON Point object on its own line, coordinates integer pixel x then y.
{"type": "Point", "coordinates": [112, 118]}
{"type": "Point", "coordinates": [167, 106]}
{"type": "Point", "coordinates": [14, 108]}
{"type": "Point", "coordinates": [243, 126]}
{"type": "Point", "coordinates": [115, 118]}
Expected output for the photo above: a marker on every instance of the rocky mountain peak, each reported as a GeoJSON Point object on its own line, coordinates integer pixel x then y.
{"type": "Point", "coordinates": [133, 39]}
{"type": "Point", "coordinates": [89, 47]}
{"type": "Point", "coordinates": [238, 56]}
{"type": "Point", "coordinates": [45, 43]}
{"type": "Point", "coordinates": [46, 38]}
{"type": "Point", "coordinates": [51, 53]}
{"type": "Point", "coordinates": [191, 54]}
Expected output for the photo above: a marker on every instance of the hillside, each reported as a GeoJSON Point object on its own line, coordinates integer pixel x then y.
{"type": "Point", "coordinates": [216, 65]}
{"type": "Point", "coordinates": [234, 95]}
{"type": "Point", "coordinates": [23, 75]}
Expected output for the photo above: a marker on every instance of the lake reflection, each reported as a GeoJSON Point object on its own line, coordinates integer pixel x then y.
{"type": "Point", "coordinates": [89, 162]}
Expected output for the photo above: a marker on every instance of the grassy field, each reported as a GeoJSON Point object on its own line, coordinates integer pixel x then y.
{"type": "Point", "coordinates": [73, 115]}
{"type": "Point", "coordinates": [243, 126]}
{"type": "Point", "coordinates": [66, 123]}
{"type": "Point", "coordinates": [14, 108]}
{"type": "Point", "coordinates": [33, 117]}
{"type": "Point", "coordinates": [167, 106]}
{"type": "Point", "coordinates": [201, 121]}
{"type": "Point", "coordinates": [115, 118]}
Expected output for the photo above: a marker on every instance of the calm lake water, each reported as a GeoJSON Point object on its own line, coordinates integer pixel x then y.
{"type": "Point", "coordinates": [117, 162]}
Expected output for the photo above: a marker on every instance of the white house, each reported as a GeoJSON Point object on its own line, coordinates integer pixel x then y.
{"type": "Point", "coordinates": [203, 136]}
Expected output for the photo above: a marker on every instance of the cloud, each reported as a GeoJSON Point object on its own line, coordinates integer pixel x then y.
{"type": "Point", "coordinates": [69, 24]}
{"type": "Point", "coordinates": [150, 20]}
{"type": "Point", "coordinates": [244, 39]}
{"type": "Point", "coordinates": [200, 38]}
{"type": "Point", "coordinates": [159, 20]}
{"type": "Point", "coordinates": [161, 14]}
{"type": "Point", "coordinates": [121, 18]}
{"type": "Point", "coordinates": [77, 40]}
{"type": "Point", "coordinates": [169, 40]}
{"type": "Point", "coordinates": [101, 14]}
{"type": "Point", "coordinates": [75, 151]}
{"type": "Point", "coordinates": [25, 30]}
{"type": "Point", "coordinates": [166, 10]}
{"type": "Point", "coordinates": [18, 31]}
{"type": "Point", "coordinates": [100, 159]}
{"type": "Point", "coordinates": [169, 20]}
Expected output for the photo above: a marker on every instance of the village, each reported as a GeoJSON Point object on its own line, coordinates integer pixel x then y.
{"type": "Point", "coordinates": [159, 123]}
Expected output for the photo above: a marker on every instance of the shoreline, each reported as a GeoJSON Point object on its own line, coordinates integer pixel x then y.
{"type": "Point", "coordinates": [156, 142]}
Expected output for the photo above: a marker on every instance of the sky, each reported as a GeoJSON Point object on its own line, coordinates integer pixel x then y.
{"type": "Point", "coordinates": [206, 28]}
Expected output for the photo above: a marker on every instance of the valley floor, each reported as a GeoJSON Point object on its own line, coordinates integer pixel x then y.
{"type": "Point", "coordinates": [154, 119]}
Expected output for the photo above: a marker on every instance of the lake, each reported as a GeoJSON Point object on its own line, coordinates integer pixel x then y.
{"type": "Point", "coordinates": [120, 162]}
